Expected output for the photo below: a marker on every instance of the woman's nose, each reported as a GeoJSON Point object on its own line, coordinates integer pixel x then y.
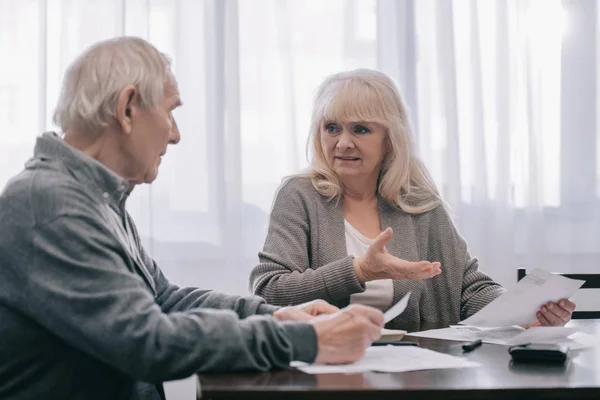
{"type": "Point", "coordinates": [345, 141]}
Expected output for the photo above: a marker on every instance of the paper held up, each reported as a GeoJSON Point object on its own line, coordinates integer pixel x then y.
{"type": "Point", "coordinates": [396, 309]}
{"type": "Point", "coordinates": [391, 335]}
{"type": "Point", "coordinates": [518, 306]}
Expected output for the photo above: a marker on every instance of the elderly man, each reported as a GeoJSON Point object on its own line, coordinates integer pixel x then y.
{"type": "Point", "coordinates": [85, 313]}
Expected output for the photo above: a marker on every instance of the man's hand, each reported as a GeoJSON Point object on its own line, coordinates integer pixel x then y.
{"type": "Point", "coordinates": [344, 336]}
{"type": "Point", "coordinates": [305, 312]}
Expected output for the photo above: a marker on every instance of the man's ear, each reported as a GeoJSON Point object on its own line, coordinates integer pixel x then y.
{"type": "Point", "coordinates": [126, 108]}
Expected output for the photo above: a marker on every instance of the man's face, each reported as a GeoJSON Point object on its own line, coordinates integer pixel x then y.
{"type": "Point", "coordinates": [152, 131]}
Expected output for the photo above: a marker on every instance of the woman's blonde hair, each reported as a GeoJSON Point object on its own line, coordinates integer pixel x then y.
{"type": "Point", "coordinates": [371, 96]}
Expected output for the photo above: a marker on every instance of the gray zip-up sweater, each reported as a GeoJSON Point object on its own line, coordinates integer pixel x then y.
{"type": "Point", "coordinates": [85, 315]}
{"type": "Point", "coordinates": [305, 258]}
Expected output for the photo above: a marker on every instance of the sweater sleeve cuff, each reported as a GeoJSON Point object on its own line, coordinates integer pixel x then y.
{"type": "Point", "coordinates": [304, 340]}
{"type": "Point", "coordinates": [266, 309]}
{"type": "Point", "coordinates": [340, 279]}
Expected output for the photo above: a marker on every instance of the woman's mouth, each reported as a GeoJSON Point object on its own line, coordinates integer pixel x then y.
{"type": "Point", "coordinates": [345, 158]}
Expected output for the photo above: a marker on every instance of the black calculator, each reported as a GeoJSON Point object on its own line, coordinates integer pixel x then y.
{"type": "Point", "coordinates": [539, 353]}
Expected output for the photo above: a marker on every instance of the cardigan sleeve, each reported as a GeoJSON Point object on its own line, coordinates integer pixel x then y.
{"type": "Point", "coordinates": [284, 275]}
{"type": "Point", "coordinates": [478, 289]}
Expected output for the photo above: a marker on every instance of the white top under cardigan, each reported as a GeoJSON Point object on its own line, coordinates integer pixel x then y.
{"type": "Point", "coordinates": [379, 293]}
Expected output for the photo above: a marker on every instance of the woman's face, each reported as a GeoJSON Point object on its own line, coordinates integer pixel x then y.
{"type": "Point", "coordinates": [354, 149]}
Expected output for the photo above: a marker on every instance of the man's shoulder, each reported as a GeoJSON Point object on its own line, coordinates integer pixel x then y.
{"type": "Point", "coordinates": [43, 193]}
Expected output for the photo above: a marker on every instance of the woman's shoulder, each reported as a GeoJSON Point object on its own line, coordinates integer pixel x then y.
{"type": "Point", "coordinates": [298, 186]}
{"type": "Point", "coordinates": [437, 218]}
{"type": "Point", "coordinates": [297, 183]}
{"type": "Point", "coordinates": [438, 223]}
{"type": "Point", "coordinates": [296, 189]}
{"type": "Point", "coordinates": [437, 214]}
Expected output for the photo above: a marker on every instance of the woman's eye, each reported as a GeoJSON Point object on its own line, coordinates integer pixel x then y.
{"type": "Point", "coordinates": [361, 130]}
{"type": "Point", "coordinates": [331, 128]}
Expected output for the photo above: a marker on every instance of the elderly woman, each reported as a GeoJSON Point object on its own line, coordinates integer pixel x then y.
{"type": "Point", "coordinates": [325, 238]}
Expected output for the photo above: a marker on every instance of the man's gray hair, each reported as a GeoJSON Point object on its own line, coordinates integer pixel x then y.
{"type": "Point", "coordinates": [93, 82]}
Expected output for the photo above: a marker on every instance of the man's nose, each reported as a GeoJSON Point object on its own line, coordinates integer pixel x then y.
{"type": "Point", "coordinates": [175, 136]}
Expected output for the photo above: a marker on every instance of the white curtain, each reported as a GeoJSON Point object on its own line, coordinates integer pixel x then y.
{"type": "Point", "coordinates": [503, 96]}
{"type": "Point", "coordinates": [247, 72]}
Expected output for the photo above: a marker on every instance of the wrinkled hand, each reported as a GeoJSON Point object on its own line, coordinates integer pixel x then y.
{"type": "Point", "coordinates": [344, 336]}
{"type": "Point", "coordinates": [554, 314]}
{"type": "Point", "coordinates": [377, 263]}
{"type": "Point", "coordinates": [305, 312]}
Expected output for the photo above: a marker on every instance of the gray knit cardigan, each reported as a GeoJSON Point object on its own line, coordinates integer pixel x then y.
{"type": "Point", "coordinates": [305, 258]}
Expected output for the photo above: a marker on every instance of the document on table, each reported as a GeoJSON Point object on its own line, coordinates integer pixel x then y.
{"type": "Point", "coordinates": [514, 335]}
{"type": "Point", "coordinates": [391, 359]}
{"type": "Point", "coordinates": [519, 305]}
{"type": "Point", "coordinates": [469, 333]}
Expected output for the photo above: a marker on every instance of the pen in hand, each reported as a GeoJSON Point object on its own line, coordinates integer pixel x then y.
{"type": "Point", "coordinates": [471, 345]}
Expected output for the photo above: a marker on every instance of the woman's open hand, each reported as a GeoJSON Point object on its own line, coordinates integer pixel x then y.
{"type": "Point", "coordinates": [377, 263]}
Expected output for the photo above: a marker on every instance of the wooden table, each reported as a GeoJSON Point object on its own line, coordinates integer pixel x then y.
{"type": "Point", "coordinates": [497, 378]}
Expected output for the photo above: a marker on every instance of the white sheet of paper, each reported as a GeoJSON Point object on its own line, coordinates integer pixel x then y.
{"type": "Point", "coordinates": [519, 305]}
{"type": "Point", "coordinates": [581, 340]}
{"type": "Point", "coordinates": [396, 309]}
{"type": "Point", "coordinates": [542, 334]}
{"type": "Point", "coordinates": [391, 359]}
{"type": "Point", "coordinates": [469, 333]}
{"type": "Point", "coordinates": [498, 335]}
{"type": "Point", "coordinates": [575, 341]}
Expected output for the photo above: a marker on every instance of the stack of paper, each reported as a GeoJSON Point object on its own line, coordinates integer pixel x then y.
{"type": "Point", "coordinates": [514, 335]}
{"type": "Point", "coordinates": [511, 335]}
{"type": "Point", "coordinates": [391, 359]}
